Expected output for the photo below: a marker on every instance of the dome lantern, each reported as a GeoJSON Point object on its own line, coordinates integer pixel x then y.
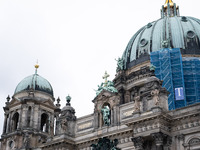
{"type": "Point", "coordinates": [169, 9]}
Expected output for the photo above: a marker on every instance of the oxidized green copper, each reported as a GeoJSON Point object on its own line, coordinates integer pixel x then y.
{"type": "Point", "coordinates": [108, 86]}
{"type": "Point", "coordinates": [106, 115]}
{"type": "Point", "coordinates": [105, 144]}
{"type": "Point", "coordinates": [152, 67]}
{"type": "Point", "coordinates": [68, 99]}
{"type": "Point", "coordinates": [120, 65]}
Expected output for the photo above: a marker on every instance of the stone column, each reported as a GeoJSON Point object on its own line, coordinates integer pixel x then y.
{"type": "Point", "coordinates": [32, 117]}
{"type": "Point", "coordinates": [39, 119]}
{"type": "Point", "coordinates": [20, 117]}
{"type": "Point", "coordinates": [138, 143]}
{"type": "Point", "coordinates": [24, 115]}
{"type": "Point", "coordinates": [114, 115]}
{"type": "Point", "coordinates": [5, 123]}
{"type": "Point", "coordinates": [35, 117]}
{"type": "Point", "coordinates": [159, 139]}
{"type": "Point", "coordinates": [9, 127]}
{"type": "Point", "coordinates": [168, 143]}
{"type": "Point", "coordinates": [181, 139]}
{"type": "Point", "coordinates": [100, 120]}
{"type": "Point", "coordinates": [8, 123]}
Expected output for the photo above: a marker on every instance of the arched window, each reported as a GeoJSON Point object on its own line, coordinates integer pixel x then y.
{"type": "Point", "coordinates": [29, 116]}
{"type": "Point", "coordinates": [106, 114]}
{"type": "Point", "coordinates": [15, 121]}
{"type": "Point", "coordinates": [44, 123]}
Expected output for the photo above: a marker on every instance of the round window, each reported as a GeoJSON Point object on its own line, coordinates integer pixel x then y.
{"type": "Point", "coordinates": [190, 34]}
{"type": "Point", "coordinates": [184, 19]}
{"type": "Point", "coordinates": [143, 42]}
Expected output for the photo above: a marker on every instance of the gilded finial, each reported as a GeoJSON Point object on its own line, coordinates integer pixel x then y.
{"type": "Point", "coordinates": [36, 67]}
{"type": "Point", "coordinates": [171, 4]}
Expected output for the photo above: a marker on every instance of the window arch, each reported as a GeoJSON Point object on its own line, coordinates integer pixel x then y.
{"type": "Point", "coordinates": [106, 114]}
{"type": "Point", "coordinates": [44, 123]}
{"type": "Point", "coordinates": [15, 121]}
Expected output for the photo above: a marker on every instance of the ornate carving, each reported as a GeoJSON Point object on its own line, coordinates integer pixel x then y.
{"type": "Point", "coordinates": [194, 141]}
{"type": "Point", "coordinates": [138, 143]}
{"type": "Point", "coordinates": [105, 144]}
{"type": "Point", "coordinates": [168, 141]}
{"type": "Point", "coordinates": [64, 124]}
{"type": "Point", "coordinates": [158, 137]}
{"type": "Point", "coordinates": [136, 103]}
{"type": "Point", "coordinates": [181, 137]}
{"type": "Point", "coordinates": [155, 94]}
{"type": "Point", "coordinates": [26, 140]}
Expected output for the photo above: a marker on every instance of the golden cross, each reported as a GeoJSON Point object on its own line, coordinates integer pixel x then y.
{"type": "Point", "coordinates": [106, 75]}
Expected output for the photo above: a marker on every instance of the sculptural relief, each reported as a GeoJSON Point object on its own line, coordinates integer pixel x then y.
{"type": "Point", "coordinates": [136, 103]}
{"type": "Point", "coordinates": [155, 94]}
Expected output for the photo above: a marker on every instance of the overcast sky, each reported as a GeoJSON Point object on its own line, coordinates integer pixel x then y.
{"type": "Point", "coordinates": [75, 42]}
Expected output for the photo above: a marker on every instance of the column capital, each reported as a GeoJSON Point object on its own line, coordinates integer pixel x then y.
{"type": "Point", "coordinates": [158, 138]}
{"type": "Point", "coordinates": [138, 142]}
{"type": "Point", "coordinates": [180, 137]}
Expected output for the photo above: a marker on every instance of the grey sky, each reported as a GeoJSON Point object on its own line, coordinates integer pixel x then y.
{"type": "Point", "coordinates": [75, 41]}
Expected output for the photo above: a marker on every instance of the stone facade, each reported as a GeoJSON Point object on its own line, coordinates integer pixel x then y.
{"type": "Point", "coordinates": [138, 116]}
{"type": "Point", "coordinates": [138, 112]}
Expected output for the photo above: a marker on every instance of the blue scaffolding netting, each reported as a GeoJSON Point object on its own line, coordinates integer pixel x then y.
{"type": "Point", "coordinates": [191, 69]}
{"type": "Point", "coordinates": [169, 68]}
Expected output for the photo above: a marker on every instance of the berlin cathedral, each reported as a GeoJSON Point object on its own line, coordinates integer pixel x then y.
{"type": "Point", "coordinates": [153, 103]}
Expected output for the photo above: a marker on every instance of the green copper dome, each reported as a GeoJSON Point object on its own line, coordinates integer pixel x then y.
{"type": "Point", "coordinates": [170, 31]}
{"type": "Point", "coordinates": [34, 82]}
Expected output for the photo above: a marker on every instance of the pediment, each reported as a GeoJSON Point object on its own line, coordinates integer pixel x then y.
{"type": "Point", "coordinates": [105, 94]}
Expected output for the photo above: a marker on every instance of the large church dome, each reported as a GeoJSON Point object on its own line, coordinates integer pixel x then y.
{"type": "Point", "coordinates": [34, 82]}
{"type": "Point", "coordinates": [170, 31]}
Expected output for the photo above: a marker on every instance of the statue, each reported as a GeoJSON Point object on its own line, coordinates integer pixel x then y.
{"type": "Point", "coordinates": [137, 103]}
{"type": "Point", "coordinates": [155, 94]}
{"type": "Point", "coordinates": [111, 88]}
{"type": "Point", "coordinates": [106, 115]}
{"type": "Point", "coordinates": [100, 88]}
{"type": "Point", "coordinates": [105, 144]}
{"type": "Point", "coordinates": [64, 125]}
{"type": "Point", "coordinates": [119, 64]}
{"type": "Point", "coordinates": [165, 43]}
{"type": "Point", "coordinates": [152, 67]}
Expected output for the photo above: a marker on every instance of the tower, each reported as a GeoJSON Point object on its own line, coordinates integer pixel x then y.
{"type": "Point", "coordinates": [29, 115]}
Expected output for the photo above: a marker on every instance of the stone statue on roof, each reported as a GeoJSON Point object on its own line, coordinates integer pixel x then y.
{"type": "Point", "coordinates": [119, 64]}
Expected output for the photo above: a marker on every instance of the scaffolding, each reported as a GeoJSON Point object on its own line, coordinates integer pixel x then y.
{"type": "Point", "coordinates": [168, 63]}
{"type": "Point", "coordinates": [191, 69]}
